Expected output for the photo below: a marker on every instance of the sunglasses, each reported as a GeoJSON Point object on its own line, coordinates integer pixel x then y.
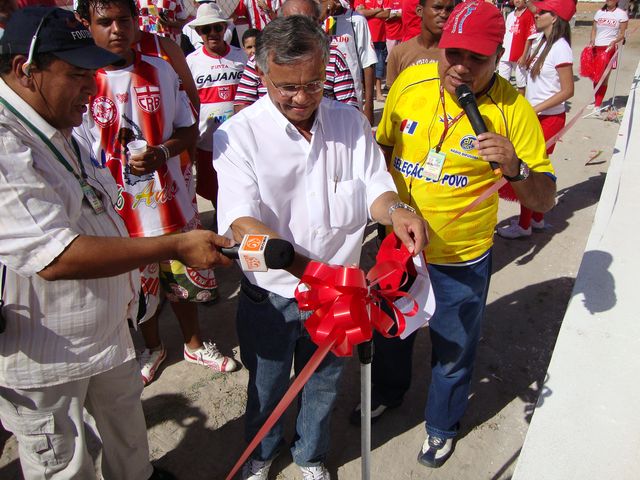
{"type": "Point", "coordinates": [206, 29]}
{"type": "Point", "coordinates": [542, 12]}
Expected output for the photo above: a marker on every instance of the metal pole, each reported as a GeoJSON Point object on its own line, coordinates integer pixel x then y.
{"type": "Point", "coordinates": [365, 353]}
{"type": "Point", "coordinates": [615, 81]}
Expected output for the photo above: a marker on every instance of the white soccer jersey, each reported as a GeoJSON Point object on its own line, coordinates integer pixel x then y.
{"type": "Point", "coordinates": [350, 32]}
{"type": "Point", "coordinates": [217, 79]}
{"type": "Point", "coordinates": [143, 101]}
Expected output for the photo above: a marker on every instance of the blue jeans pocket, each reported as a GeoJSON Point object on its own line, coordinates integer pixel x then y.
{"type": "Point", "coordinates": [255, 294]}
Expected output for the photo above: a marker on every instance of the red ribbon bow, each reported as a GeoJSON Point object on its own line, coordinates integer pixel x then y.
{"type": "Point", "coordinates": [345, 306]}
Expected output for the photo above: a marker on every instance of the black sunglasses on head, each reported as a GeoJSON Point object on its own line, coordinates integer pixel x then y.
{"type": "Point", "coordinates": [206, 29]}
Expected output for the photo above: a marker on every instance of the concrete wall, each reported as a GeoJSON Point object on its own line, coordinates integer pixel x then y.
{"type": "Point", "coordinates": [589, 425]}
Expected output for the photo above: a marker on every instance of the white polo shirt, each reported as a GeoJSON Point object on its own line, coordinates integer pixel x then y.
{"type": "Point", "coordinates": [315, 194]}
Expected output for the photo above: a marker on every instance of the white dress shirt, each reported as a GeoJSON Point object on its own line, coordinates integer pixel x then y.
{"type": "Point", "coordinates": [67, 329]}
{"type": "Point", "coordinates": [315, 194]}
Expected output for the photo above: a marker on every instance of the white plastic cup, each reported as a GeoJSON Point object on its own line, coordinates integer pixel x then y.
{"type": "Point", "coordinates": [137, 147]}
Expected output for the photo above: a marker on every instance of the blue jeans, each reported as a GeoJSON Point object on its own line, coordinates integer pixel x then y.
{"type": "Point", "coordinates": [381, 55]}
{"type": "Point", "coordinates": [272, 338]}
{"type": "Point", "coordinates": [461, 296]}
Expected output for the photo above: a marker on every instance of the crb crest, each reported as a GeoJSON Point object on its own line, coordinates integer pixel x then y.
{"type": "Point", "coordinates": [224, 92]}
{"type": "Point", "coordinates": [104, 111]}
{"type": "Point", "coordinates": [148, 98]}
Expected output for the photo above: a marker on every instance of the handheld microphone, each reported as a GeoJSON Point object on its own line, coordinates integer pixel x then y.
{"type": "Point", "coordinates": [467, 101]}
{"type": "Point", "coordinates": [259, 253]}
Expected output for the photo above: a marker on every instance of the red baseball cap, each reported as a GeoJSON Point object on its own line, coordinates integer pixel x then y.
{"type": "Point", "coordinates": [565, 9]}
{"type": "Point", "coordinates": [477, 26]}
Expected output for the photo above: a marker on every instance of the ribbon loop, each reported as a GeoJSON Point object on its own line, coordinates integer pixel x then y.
{"type": "Point", "coordinates": [347, 304]}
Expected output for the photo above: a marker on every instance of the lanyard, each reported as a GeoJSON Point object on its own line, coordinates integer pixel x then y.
{"type": "Point", "coordinates": [51, 146]}
{"type": "Point", "coordinates": [447, 124]}
{"type": "Point", "coordinates": [87, 190]}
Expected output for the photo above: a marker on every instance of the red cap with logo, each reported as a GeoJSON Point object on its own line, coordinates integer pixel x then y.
{"type": "Point", "coordinates": [565, 9]}
{"type": "Point", "coordinates": [477, 26]}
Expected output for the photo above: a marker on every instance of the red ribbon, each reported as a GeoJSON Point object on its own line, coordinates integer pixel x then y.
{"type": "Point", "coordinates": [346, 308]}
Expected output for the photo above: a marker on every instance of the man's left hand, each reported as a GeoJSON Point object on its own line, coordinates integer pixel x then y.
{"type": "Point", "coordinates": [410, 229]}
{"type": "Point", "coordinates": [493, 147]}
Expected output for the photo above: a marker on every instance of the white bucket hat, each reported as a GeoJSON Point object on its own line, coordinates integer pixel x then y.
{"type": "Point", "coordinates": [207, 14]}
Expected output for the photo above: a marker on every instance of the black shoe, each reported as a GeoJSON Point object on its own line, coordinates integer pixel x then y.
{"type": "Point", "coordinates": [435, 451]}
{"type": "Point", "coordinates": [160, 474]}
{"type": "Point", "coordinates": [377, 409]}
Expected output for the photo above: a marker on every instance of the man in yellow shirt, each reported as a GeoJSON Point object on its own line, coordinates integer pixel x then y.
{"type": "Point", "coordinates": [440, 166]}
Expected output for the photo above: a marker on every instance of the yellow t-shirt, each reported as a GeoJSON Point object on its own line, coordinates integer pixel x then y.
{"type": "Point", "coordinates": [412, 123]}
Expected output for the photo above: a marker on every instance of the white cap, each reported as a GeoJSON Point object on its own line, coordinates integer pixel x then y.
{"type": "Point", "coordinates": [207, 14]}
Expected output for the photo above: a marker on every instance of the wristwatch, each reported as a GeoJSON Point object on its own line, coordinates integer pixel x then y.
{"type": "Point", "coordinates": [398, 205]}
{"type": "Point", "coordinates": [523, 173]}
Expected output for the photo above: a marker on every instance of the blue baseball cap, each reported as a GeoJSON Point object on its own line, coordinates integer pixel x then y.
{"type": "Point", "coordinates": [60, 34]}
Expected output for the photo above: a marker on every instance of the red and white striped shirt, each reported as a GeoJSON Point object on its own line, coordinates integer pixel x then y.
{"type": "Point", "coordinates": [217, 79]}
{"type": "Point", "coordinates": [258, 18]}
{"type": "Point", "coordinates": [142, 101]}
{"type": "Point", "coordinates": [338, 84]}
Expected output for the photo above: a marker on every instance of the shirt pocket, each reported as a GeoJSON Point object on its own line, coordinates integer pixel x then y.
{"type": "Point", "coordinates": [347, 204]}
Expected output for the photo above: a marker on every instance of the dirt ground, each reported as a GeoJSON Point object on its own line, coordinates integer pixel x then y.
{"type": "Point", "coordinates": [195, 416]}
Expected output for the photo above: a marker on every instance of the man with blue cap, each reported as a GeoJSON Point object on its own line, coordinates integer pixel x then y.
{"type": "Point", "coordinates": [69, 273]}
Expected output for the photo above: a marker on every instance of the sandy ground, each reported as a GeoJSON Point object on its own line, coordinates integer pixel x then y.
{"type": "Point", "coordinates": [195, 416]}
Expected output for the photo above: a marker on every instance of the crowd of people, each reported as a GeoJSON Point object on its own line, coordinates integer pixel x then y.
{"type": "Point", "coordinates": [115, 115]}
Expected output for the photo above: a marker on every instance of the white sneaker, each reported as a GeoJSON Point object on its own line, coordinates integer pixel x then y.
{"type": "Point", "coordinates": [537, 225]}
{"type": "Point", "coordinates": [315, 473]}
{"type": "Point", "coordinates": [149, 361]}
{"type": "Point", "coordinates": [435, 451]}
{"type": "Point", "coordinates": [514, 231]}
{"type": "Point", "coordinates": [256, 469]}
{"type": "Point", "coordinates": [209, 356]}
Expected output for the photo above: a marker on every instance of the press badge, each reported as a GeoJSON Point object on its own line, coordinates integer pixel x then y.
{"type": "Point", "coordinates": [92, 197]}
{"type": "Point", "coordinates": [433, 165]}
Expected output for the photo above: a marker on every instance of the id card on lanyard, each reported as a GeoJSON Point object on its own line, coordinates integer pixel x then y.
{"type": "Point", "coordinates": [435, 158]}
{"type": "Point", "coordinates": [88, 191]}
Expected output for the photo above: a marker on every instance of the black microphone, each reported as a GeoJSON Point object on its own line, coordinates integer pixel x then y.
{"type": "Point", "coordinates": [258, 253]}
{"type": "Point", "coordinates": [467, 101]}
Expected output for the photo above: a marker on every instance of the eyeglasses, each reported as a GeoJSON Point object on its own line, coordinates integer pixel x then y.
{"type": "Point", "coordinates": [216, 27]}
{"type": "Point", "coordinates": [542, 12]}
{"type": "Point", "coordinates": [291, 90]}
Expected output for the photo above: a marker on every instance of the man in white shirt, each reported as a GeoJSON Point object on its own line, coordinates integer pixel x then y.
{"type": "Point", "coordinates": [296, 166]}
{"type": "Point", "coordinates": [216, 68]}
{"type": "Point", "coordinates": [71, 272]}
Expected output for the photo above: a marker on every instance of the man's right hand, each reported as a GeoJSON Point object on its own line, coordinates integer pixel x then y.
{"type": "Point", "coordinates": [200, 249]}
{"type": "Point", "coordinates": [147, 162]}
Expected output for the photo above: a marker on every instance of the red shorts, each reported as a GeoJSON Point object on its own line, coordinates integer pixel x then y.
{"type": "Point", "coordinates": [207, 180]}
{"type": "Point", "coordinates": [552, 124]}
